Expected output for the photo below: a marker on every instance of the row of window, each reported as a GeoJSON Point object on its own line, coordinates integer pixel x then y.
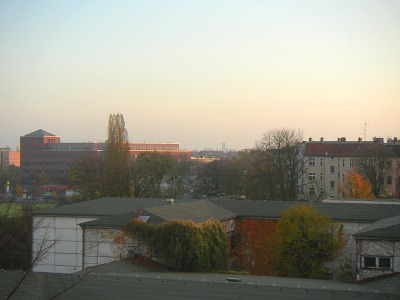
{"type": "Point", "coordinates": [312, 162]}
{"type": "Point", "coordinates": [377, 262]}
{"type": "Point", "coordinates": [48, 163]}
{"type": "Point", "coordinates": [42, 171]}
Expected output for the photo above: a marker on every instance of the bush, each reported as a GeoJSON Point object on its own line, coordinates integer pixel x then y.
{"type": "Point", "coordinates": [185, 245]}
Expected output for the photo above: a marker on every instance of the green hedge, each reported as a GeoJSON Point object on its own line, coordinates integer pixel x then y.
{"type": "Point", "coordinates": [185, 245]}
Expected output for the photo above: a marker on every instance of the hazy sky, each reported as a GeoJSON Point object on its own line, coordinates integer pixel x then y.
{"type": "Point", "coordinates": [199, 72]}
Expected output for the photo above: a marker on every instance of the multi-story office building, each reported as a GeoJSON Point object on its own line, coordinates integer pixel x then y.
{"type": "Point", "coordinates": [43, 154]}
{"type": "Point", "coordinates": [8, 158]}
{"type": "Point", "coordinates": [328, 163]}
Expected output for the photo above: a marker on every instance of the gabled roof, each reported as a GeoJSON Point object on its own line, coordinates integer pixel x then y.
{"type": "Point", "coordinates": [349, 212]}
{"type": "Point", "coordinates": [104, 207]}
{"type": "Point", "coordinates": [388, 228]}
{"type": "Point", "coordinates": [118, 211]}
{"type": "Point", "coordinates": [196, 211]}
{"type": "Point", "coordinates": [39, 133]}
{"type": "Point", "coordinates": [395, 148]}
{"type": "Point", "coordinates": [347, 149]}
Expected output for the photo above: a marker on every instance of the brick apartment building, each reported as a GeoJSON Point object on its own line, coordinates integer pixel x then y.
{"type": "Point", "coordinates": [43, 154]}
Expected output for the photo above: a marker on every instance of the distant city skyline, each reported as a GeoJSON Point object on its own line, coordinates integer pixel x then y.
{"type": "Point", "coordinates": [200, 73]}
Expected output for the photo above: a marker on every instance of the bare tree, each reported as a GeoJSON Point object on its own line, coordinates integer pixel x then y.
{"type": "Point", "coordinates": [374, 164]}
{"type": "Point", "coordinates": [280, 149]}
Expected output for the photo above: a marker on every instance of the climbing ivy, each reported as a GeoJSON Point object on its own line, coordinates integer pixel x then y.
{"type": "Point", "coordinates": [184, 245]}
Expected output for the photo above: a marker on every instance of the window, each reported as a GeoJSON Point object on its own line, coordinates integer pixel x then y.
{"type": "Point", "coordinates": [332, 184]}
{"type": "Point", "coordinates": [343, 162]}
{"type": "Point", "coordinates": [321, 162]}
{"type": "Point", "coordinates": [377, 262]}
{"type": "Point", "coordinates": [351, 162]}
{"type": "Point", "coordinates": [369, 262]}
{"type": "Point", "coordinates": [321, 176]}
{"type": "Point", "coordinates": [311, 191]}
{"type": "Point", "coordinates": [312, 162]}
{"type": "Point", "coordinates": [389, 180]}
{"type": "Point", "coordinates": [384, 262]}
{"type": "Point", "coordinates": [332, 169]}
{"type": "Point", "coordinates": [311, 176]}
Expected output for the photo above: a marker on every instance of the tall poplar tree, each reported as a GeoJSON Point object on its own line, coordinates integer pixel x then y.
{"type": "Point", "coordinates": [117, 143]}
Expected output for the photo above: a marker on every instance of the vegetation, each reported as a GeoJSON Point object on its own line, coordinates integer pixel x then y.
{"type": "Point", "coordinates": [374, 164]}
{"type": "Point", "coordinates": [304, 241]}
{"type": "Point", "coordinates": [15, 237]}
{"type": "Point", "coordinates": [184, 245]}
{"type": "Point", "coordinates": [355, 186]}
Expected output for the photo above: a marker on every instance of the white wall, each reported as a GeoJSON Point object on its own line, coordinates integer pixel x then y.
{"type": "Point", "coordinates": [377, 248]}
{"type": "Point", "coordinates": [104, 245]}
{"type": "Point", "coordinates": [60, 237]}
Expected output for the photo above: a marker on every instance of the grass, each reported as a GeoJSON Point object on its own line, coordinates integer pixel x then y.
{"type": "Point", "coordinates": [12, 209]}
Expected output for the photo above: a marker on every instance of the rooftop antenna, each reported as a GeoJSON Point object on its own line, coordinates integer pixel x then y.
{"type": "Point", "coordinates": [365, 130]}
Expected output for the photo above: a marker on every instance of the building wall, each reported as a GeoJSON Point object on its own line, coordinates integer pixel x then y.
{"type": "Point", "coordinates": [377, 249]}
{"type": "Point", "coordinates": [105, 245]}
{"type": "Point", "coordinates": [60, 237]}
{"type": "Point", "coordinates": [47, 156]}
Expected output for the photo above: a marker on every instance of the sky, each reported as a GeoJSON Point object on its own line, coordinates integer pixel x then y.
{"type": "Point", "coordinates": [200, 73]}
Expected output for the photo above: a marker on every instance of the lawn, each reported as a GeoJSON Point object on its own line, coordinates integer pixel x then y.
{"type": "Point", "coordinates": [16, 208]}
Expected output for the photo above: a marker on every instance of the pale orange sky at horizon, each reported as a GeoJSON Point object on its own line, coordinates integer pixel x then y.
{"type": "Point", "coordinates": [200, 73]}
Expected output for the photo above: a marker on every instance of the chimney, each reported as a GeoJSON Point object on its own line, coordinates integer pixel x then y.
{"type": "Point", "coordinates": [322, 139]}
{"type": "Point", "coordinates": [343, 139]}
{"type": "Point", "coordinates": [395, 141]}
{"type": "Point", "coordinates": [359, 140]}
{"type": "Point", "coordinates": [310, 140]}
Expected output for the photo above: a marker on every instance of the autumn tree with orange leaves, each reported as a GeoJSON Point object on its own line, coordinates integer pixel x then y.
{"type": "Point", "coordinates": [355, 186]}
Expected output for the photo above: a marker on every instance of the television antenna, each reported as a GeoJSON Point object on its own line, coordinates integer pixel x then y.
{"type": "Point", "coordinates": [365, 130]}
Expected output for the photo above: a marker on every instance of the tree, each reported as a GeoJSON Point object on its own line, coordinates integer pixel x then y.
{"type": "Point", "coordinates": [117, 143]}
{"type": "Point", "coordinates": [355, 186]}
{"type": "Point", "coordinates": [304, 241]}
{"type": "Point", "coordinates": [109, 176]}
{"type": "Point", "coordinates": [86, 173]}
{"type": "Point", "coordinates": [280, 149]}
{"type": "Point", "coordinates": [374, 164]}
{"type": "Point", "coordinates": [148, 172]}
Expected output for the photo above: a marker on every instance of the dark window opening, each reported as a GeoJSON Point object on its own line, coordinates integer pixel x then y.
{"type": "Point", "coordinates": [369, 262]}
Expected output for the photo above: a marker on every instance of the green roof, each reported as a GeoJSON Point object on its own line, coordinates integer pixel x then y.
{"type": "Point", "coordinates": [388, 228]}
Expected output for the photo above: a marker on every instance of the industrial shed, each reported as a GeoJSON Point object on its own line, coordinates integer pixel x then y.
{"type": "Point", "coordinates": [86, 233]}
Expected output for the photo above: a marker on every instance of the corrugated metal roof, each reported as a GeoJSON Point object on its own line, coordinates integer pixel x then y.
{"type": "Point", "coordinates": [388, 228]}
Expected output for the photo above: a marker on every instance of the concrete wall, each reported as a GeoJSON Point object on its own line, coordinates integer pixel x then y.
{"type": "Point", "coordinates": [61, 240]}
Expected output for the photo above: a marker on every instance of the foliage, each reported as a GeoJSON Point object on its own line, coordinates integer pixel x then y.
{"type": "Point", "coordinates": [355, 186]}
{"type": "Point", "coordinates": [374, 164]}
{"type": "Point", "coordinates": [280, 149]}
{"type": "Point", "coordinates": [184, 245]}
{"type": "Point", "coordinates": [15, 239]}
{"type": "Point", "coordinates": [148, 172]}
{"type": "Point", "coordinates": [252, 249]}
{"type": "Point", "coordinates": [117, 143]}
{"type": "Point", "coordinates": [86, 173]}
{"type": "Point", "coordinates": [304, 241]}
{"type": "Point", "coordinates": [346, 271]}
{"type": "Point", "coordinates": [12, 174]}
